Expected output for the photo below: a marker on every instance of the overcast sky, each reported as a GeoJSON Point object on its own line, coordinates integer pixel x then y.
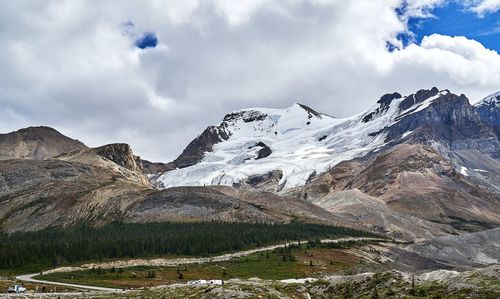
{"type": "Point", "coordinates": [154, 74]}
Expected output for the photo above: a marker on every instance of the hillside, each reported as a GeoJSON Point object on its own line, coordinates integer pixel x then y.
{"type": "Point", "coordinates": [36, 143]}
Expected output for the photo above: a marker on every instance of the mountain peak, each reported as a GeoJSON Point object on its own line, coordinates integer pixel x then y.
{"type": "Point", "coordinates": [489, 111]}
{"type": "Point", "coordinates": [389, 97]}
{"type": "Point", "coordinates": [491, 100]}
{"type": "Point", "coordinates": [37, 129]}
{"type": "Point", "coordinates": [311, 112]}
{"type": "Point", "coordinates": [36, 143]}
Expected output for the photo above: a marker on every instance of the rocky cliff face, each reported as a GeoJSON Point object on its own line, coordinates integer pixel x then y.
{"type": "Point", "coordinates": [36, 143]}
{"type": "Point", "coordinates": [121, 154]}
{"type": "Point", "coordinates": [443, 117]}
{"type": "Point", "coordinates": [196, 149]}
{"type": "Point", "coordinates": [489, 111]}
{"type": "Point", "coordinates": [117, 157]}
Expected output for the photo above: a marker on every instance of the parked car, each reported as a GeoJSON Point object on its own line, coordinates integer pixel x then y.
{"type": "Point", "coordinates": [16, 289]}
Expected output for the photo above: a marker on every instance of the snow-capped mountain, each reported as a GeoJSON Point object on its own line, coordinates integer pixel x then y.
{"type": "Point", "coordinates": [489, 111]}
{"type": "Point", "coordinates": [296, 141]}
{"type": "Point", "coordinates": [294, 144]}
{"type": "Point", "coordinates": [492, 101]}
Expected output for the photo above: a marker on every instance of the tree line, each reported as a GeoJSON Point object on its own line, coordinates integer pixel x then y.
{"type": "Point", "coordinates": [54, 247]}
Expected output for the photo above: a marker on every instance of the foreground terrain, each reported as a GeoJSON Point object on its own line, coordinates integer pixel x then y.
{"type": "Point", "coordinates": [330, 269]}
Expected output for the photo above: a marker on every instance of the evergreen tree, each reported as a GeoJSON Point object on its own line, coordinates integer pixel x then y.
{"type": "Point", "coordinates": [413, 290]}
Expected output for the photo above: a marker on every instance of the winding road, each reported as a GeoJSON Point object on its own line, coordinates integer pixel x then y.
{"type": "Point", "coordinates": [162, 262]}
{"type": "Point", "coordinates": [29, 278]}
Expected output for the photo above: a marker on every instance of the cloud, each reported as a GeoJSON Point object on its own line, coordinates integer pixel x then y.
{"type": "Point", "coordinates": [419, 8]}
{"type": "Point", "coordinates": [482, 7]}
{"type": "Point", "coordinates": [74, 64]}
{"type": "Point", "coordinates": [465, 62]}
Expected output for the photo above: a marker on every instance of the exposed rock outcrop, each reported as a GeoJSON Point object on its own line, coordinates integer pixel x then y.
{"type": "Point", "coordinates": [445, 117]}
{"type": "Point", "coordinates": [121, 154]}
{"type": "Point", "coordinates": [196, 149]}
{"type": "Point", "coordinates": [156, 167]}
{"type": "Point", "coordinates": [489, 111]}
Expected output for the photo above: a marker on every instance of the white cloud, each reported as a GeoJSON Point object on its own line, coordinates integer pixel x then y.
{"type": "Point", "coordinates": [461, 61]}
{"type": "Point", "coordinates": [421, 8]}
{"type": "Point", "coordinates": [69, 64]}
{"type": "Point", "coordinates": [482, 7]}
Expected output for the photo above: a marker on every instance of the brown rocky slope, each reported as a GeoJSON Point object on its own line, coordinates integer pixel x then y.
{"type": "Point", "coordinates": [36, 143]}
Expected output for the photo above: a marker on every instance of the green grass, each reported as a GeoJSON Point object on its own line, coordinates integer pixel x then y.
{"type": "Point", "coordinates": [264, 265]}
{"type": "Point", "coordinates": [25, 269]}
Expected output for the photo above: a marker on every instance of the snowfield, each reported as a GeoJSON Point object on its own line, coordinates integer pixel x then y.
{"type": "Point", "coordinates": [489, 100]}
{"type": "Point", "coordinates": [303, 143]}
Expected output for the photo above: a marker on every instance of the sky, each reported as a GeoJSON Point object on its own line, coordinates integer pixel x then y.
{"type": "Point", "coordinates": [155, 73]}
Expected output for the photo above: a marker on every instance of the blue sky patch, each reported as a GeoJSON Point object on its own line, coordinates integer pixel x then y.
{"type": "Point", "coordinates": [454, 19]}
{"type": "Point", "coordinates": [147, 40]}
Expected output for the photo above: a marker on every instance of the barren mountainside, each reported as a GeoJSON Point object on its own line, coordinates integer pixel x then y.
{"type": "Point", "coordinates": [36, 143]}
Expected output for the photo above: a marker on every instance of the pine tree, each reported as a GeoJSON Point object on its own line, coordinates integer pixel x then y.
{"type": "Point", "coordinates": [413, 290]}
{"type": "Point", "coordinates": [348, 293]}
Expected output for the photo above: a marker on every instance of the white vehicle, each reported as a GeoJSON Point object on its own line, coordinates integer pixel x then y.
{"type": "Point", "coordinates": [16, 289]}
